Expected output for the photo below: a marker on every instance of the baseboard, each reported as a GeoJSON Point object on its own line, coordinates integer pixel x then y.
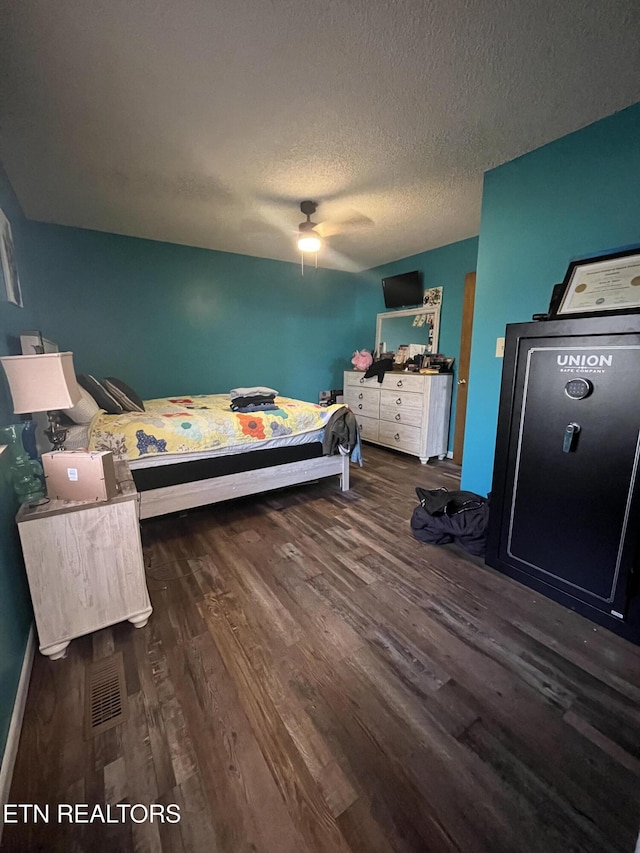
{"type": "Point", "coordinates": [15, 726]}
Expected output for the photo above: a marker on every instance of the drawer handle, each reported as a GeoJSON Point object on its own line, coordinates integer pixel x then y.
{"type": "Point", "coordinates": [397, 436]}
{"type": "Point", "coordinates": [399, 383]}
{"type": "Point", "coordinates": [362, 380]}
{"type": "Point", "coordinates": [399, 401]}
{"type": "Point", "coordinates": [398, 416]}
{"type": "Point", "coordinates": [359, 405]}
{"type": "Point", "coordinates": [360, 396]}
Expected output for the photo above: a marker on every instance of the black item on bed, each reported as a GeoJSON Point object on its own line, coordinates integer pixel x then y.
{"type": "Point", "coordinates": [248, 399]}
{"type": "Point", "coordinates": [157, 477]}
{"type": "Point", "coordinates": [255, 407]}
{"type": "Point", "coordinates": [253, 403]}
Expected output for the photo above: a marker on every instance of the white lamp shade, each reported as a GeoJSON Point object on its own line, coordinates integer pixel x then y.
{"type": "Point", "coordinates": [41, 383]}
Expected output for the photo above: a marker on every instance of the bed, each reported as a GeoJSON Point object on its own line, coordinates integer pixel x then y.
{"type": "Point", "coordinates": [190, 451]}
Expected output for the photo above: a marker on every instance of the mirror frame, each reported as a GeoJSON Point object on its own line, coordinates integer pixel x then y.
{"type": "Point", "coordinates": [411, 312]}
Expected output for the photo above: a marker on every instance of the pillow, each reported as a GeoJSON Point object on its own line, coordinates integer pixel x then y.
{"type": "Point", "coordinates": [126, 396]}
{"type": "Point", "coordinates": [100, 394]}
{"type": "Point", "coordinates": [84, 409]}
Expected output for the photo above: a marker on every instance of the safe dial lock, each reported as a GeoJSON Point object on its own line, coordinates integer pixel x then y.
{"type": "Point", "coordinates": [578, 389]}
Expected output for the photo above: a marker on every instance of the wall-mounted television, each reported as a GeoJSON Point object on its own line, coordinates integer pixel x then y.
{"type": "Point", "coordinates": [403, 291]}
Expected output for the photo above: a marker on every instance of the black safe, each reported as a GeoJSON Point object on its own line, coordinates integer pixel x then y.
{"type": "Point", "coordinates": [565, 499]}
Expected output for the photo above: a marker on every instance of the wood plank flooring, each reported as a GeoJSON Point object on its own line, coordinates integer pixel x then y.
{"type": "Point", "coordinates": [314, 680]}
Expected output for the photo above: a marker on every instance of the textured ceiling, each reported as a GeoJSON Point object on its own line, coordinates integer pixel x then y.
{"type": "Point", "coordinates": [206, 122]}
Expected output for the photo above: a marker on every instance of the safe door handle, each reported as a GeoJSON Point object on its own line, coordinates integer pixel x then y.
{"type": "Point", "coordinates": [569, 439]}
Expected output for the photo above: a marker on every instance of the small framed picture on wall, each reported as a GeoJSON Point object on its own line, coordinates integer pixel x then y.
{"type": "Point", "coordinates": [8, 262]}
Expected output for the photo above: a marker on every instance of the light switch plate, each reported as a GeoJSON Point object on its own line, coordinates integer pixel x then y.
{"type": "Point", "coordinates": [499, 347]}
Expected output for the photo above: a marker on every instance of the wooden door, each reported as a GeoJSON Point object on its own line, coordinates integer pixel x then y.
{"type": "Point", "coordinates": [463, 365]}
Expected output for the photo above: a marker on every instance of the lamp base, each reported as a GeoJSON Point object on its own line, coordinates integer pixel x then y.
{"type": "Point", "coordinates": [56, 433]}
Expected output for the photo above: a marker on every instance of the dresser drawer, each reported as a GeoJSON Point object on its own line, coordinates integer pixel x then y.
{"type": "Point", "coordinates": [368, 428]}
{"type": "Point", "coordinates": [354, 377]}
{"type": "Point", "coordinates": [363, 401]}
{"type": "Point", "coordinates": [400, 436]}
{"type": "Point", "coordinates": [403, 403]}
{"type": "Point", "coordinates": [403, 382]}
{"type": "Point", "coordinates": [401, 416]}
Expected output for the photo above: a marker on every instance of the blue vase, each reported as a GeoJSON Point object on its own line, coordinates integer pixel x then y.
{"type": "Point", "coordinates": [29, 438]}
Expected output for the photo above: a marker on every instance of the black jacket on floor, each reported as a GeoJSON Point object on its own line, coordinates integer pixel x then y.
{"type": "Point", "coordinates": [444, 517]}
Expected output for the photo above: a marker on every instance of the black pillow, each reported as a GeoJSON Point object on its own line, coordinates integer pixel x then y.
{"type": "Point", "coordinates": [100, 394]}
{"type": "Point", "coordinates": [126, 396]}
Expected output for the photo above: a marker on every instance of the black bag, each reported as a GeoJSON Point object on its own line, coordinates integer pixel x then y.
{"type": "Point", "coordinates": [443, 517]}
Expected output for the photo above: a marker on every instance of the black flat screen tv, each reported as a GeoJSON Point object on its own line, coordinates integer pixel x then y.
{"type": "Point", "coordinates": [403, 291]}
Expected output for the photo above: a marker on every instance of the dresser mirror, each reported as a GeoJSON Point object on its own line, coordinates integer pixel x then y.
{"type": "Point", "coordinates": [416, 328]}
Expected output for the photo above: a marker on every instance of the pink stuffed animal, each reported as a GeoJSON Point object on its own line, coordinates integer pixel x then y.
{"type": "Point", "coordinates": [362, 360]}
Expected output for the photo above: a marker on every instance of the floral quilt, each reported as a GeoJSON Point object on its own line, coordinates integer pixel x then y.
{"type": "Point", "coordinates": [199, 423]}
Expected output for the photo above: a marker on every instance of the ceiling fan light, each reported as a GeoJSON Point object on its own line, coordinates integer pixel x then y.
{"type": "Point", "coordinates": [309, 242]}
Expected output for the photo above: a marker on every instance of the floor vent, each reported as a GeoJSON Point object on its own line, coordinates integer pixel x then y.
{"type": "Point", "coordinates": [105, 695]}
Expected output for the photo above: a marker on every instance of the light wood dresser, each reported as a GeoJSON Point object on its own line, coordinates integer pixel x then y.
{"type": "Point", "coordinates": [406, 411]}
{"type": "Point", "coordinates": [84, 565]}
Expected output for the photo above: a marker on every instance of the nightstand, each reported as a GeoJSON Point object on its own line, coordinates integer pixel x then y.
{"type": "Point", "coordinates": [84, 565]}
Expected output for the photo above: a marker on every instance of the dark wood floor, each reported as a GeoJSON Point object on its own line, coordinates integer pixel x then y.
{"type": "Point", "coordinates": [314, 679]}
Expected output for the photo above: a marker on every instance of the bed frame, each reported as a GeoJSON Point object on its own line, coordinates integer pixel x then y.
{"type": "Point", "coordinates": [183, 496]}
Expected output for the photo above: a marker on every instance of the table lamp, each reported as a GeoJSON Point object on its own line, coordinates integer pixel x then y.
{"type": "Point", "coordinates": [43, 383]}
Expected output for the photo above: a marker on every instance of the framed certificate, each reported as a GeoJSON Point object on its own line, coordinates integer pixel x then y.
{"type": "Point", "coordinates": [609, 284]}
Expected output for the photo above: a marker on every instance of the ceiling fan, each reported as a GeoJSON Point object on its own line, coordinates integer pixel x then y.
{"type": "Point", "coordinates": [311, 234]}
{"type": "Point", "coordinates": [309, 239]}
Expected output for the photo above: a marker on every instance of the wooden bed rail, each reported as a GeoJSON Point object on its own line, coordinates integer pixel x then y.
{"type": "Point", "coordinates": [183, 496]}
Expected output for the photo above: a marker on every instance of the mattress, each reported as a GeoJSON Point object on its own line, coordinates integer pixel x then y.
{"type": "Point", "coordinates": [161, 460]}
{"type": "Point", "coordinates": [220, 465]}
{"type": "Point", "coordinates": [171, 430]}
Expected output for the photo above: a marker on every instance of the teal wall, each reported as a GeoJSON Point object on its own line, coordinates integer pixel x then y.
{"type": "Point", "coordinates": [15, 605]}
{"type": "Point", "coordinates": [444, 267]}
{"type": "Point", "coordinates": [171, 319]}
{"type": "Point", "coordinates": [576, 197]}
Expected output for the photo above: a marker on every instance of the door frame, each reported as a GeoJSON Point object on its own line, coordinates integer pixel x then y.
{"type": "Point", "coordinates": [464, 360]}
